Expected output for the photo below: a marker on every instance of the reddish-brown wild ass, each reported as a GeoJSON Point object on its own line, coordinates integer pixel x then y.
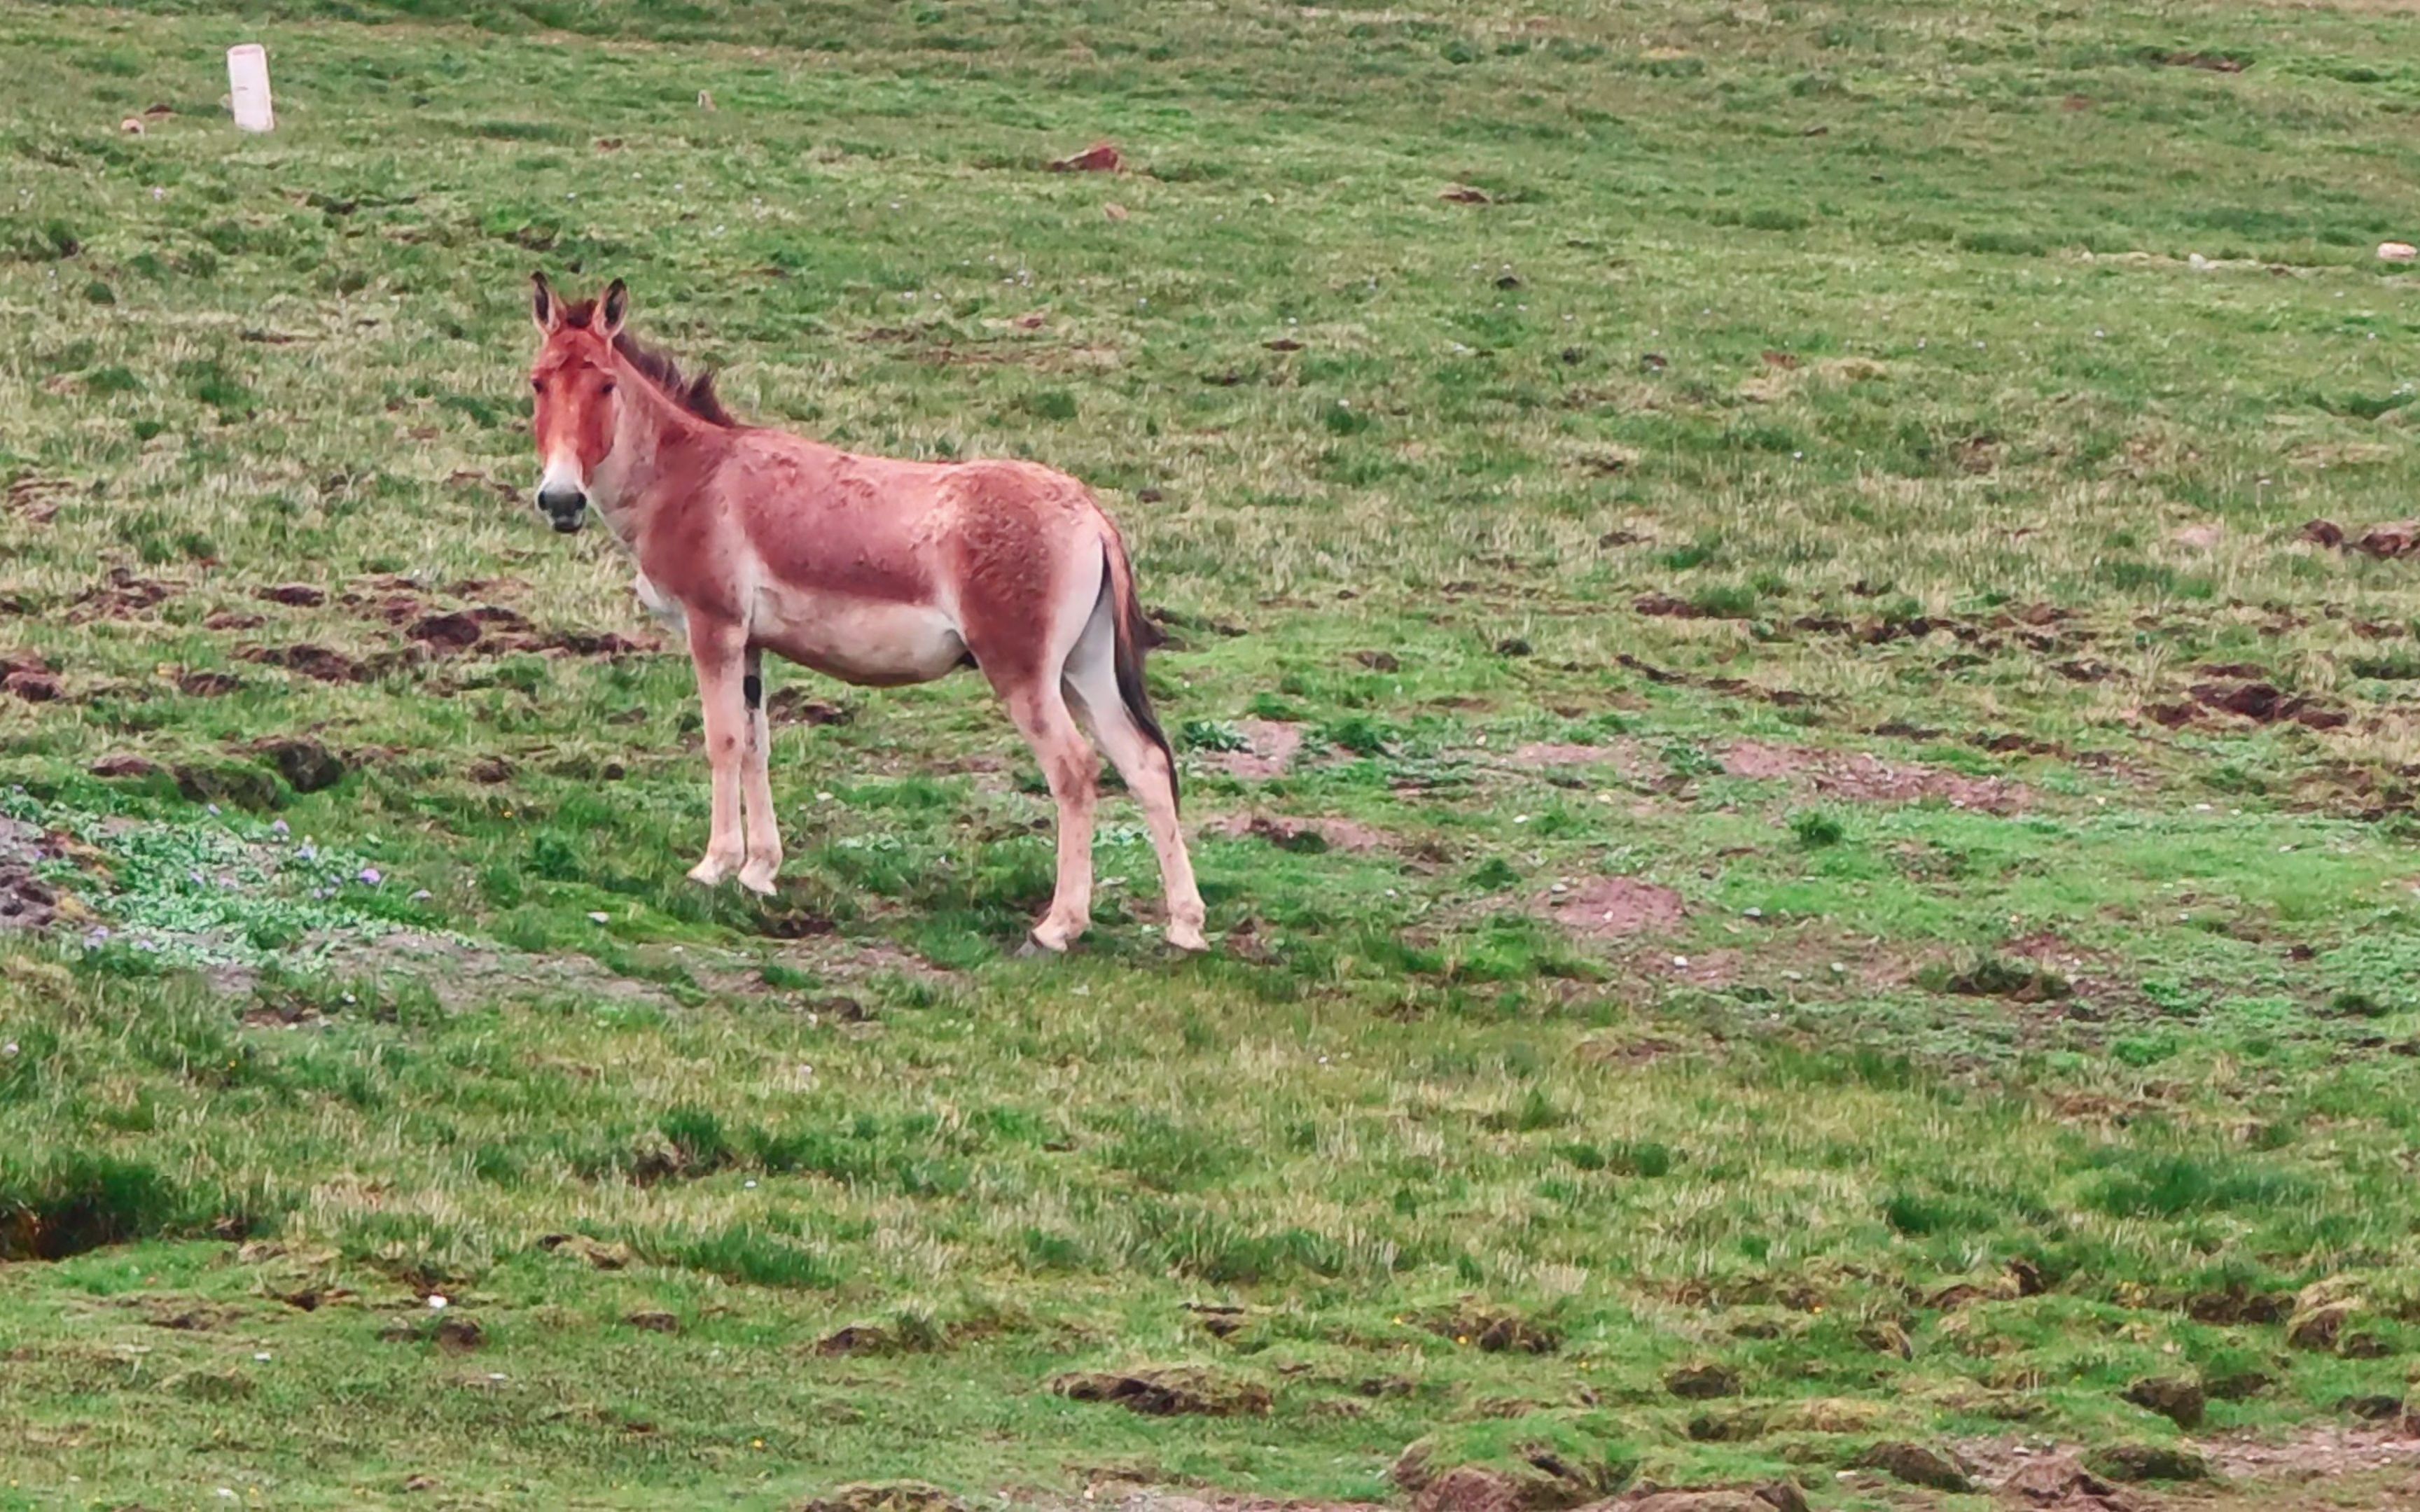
{"type": "Point", "coordinates": [869, 569]}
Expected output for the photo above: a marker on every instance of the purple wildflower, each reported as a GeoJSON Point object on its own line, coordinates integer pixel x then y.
{"type": "Point", "coordinates": [370, 876]}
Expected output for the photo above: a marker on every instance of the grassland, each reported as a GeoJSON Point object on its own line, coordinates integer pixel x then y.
{"type": "Point", "coordinates": [1805, 856]}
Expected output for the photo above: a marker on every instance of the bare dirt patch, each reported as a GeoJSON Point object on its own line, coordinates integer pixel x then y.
{"type": "Point", "coordinates": [1622, 757]}
{"type": "Point", "coordinates": [1308, 836]}
{"type": "Point", "coordinates": [2328, 1466]}
{"type": "Point", "coordinates": [1860, 778]}
{"type": "Point", "coordinates": [1273, 746]}
{"type": "Point", "coordinates": [1608, 908]}
{"type": "Point", "coordinates": [1766, 764]}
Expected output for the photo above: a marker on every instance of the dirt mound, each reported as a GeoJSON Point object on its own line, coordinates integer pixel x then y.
{"type": "Point", "coordinates": [1605, 908]}
{"type": "Point", "coordinates": [1173, 1392]}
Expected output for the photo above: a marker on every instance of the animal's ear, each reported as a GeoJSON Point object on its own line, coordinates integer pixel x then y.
{"type": "Point", "coordinates": [613, 307]}
{"type": "Point", "coordinates": [544, 307]}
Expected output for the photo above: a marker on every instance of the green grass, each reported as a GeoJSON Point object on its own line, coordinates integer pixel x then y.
{"type": "Point", "coordinates": [1777, 893]}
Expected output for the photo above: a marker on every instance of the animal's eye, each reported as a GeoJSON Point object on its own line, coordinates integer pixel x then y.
{"type": "Point", "coordinates": [538, 384]}
{"type": "Point", "coordinates": [608, 388]}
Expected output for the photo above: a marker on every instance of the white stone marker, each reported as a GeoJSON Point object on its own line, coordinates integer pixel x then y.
{"type": "Point", "coordinates": [248, 87]}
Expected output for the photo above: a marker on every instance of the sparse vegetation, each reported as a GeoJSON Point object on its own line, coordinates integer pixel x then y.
{"type": "Point", "coordinates": [1812, 865]}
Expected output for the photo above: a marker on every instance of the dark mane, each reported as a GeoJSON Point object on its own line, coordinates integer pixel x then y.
{"type": "Point", "coordinates": [694, 395]}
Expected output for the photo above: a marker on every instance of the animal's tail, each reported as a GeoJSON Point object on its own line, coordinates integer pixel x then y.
{"type": "Point", "coordinates": [1125, 614]}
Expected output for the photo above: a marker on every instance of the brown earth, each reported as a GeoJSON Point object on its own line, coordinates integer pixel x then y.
{"type": "Point", "coordinates": [1615, 908]}
{"type": "Point", "coordinates": [1273, 748]}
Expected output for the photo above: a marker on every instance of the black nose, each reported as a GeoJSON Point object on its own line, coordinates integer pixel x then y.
{"type": "Point", "coordinates": [565, 507]}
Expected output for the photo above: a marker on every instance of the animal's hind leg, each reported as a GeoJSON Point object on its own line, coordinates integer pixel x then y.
{"type": "Point", "coordinates": [1092, 686]}
{"type": "Point", "coordinates": [764, 827]}
{"type": "Point", "coordinates": [1041, 716]}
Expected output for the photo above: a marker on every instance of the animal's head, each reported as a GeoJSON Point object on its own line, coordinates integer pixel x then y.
{"type": "Point", "coordinates": [574, 381]}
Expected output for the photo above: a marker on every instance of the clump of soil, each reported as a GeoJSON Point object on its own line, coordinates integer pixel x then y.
{"type": "Point", "coordinates": [2178, 1401]}
{"type": "Point", "coordinates": [2261, 703]}
{"type": "Point", "coordinates": [1703, 1383]}
{"type": "Point", "coordinates": [2129, 1462]}
{"type": "Point", "coordinates": [307, 765]}
{"type": "Point", "coordinates": [316, 662]}
{"type": "Point", "coordinates": [28, 677]}
{"type": "Point", "coordinates": [208, 685]}
{"type": "Point", "coordinates": [1171, 1391]}
{"type": "Point", "coordinates": [1605, 908]}
{"type": "Point", "coordinates": [1993, 978]}
{"type": "Point", "coordinates": [1307, 836]}
{"type": "Point", "coordinates": [1535, 1476]}
{"type": "Point", "coordinates": [792, 705]}
{"type": "Point", "coordinates": [124, 763]}
{"type": "Point", "coordinates": [1917, 1465]}
{"type": "Point", "coordinates": [1496, 1329]}
{"type": "Point", "coordinates": [445, 632]}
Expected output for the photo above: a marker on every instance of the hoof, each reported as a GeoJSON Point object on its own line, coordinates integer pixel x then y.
{"type": "Point", "coordinates": [710, 871]}
{"type": "Point", "coordinates": [1187, 939]}
{"type": "Point", "coordinates": [1033, 945]}
{"type": "Point", "coordinates": [758, 880]}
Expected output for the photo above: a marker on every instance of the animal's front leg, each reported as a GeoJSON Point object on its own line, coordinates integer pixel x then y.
{"type": "Point", "coordinates": [718, 651]}
{"type": "Point", "coordinates": [757, 785]}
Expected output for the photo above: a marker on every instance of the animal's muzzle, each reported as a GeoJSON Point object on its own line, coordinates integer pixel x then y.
{"type": "Point", "coordinates": [565, 509]}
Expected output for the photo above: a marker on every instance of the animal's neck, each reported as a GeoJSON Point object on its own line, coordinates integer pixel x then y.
{"type": "Point", "coordinates": [627, 487]}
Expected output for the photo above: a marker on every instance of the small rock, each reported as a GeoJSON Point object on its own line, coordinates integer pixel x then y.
{"type": "Point", "coordinates": [654, 1322]}
{"type": "Point", "coordinates": [131, 126]}
{"type": "Point", "coordinates": [302, 596]}
{"type": "Point", "coordinates": [2397, 252]}
{"type": "Point", "coordinates": [2324, 532]}
{"type": "Point", "coordinates": [1464, 195]}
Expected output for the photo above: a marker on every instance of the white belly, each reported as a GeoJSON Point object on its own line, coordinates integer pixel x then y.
{"type": "Point", "coordinates": [857, 640]}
